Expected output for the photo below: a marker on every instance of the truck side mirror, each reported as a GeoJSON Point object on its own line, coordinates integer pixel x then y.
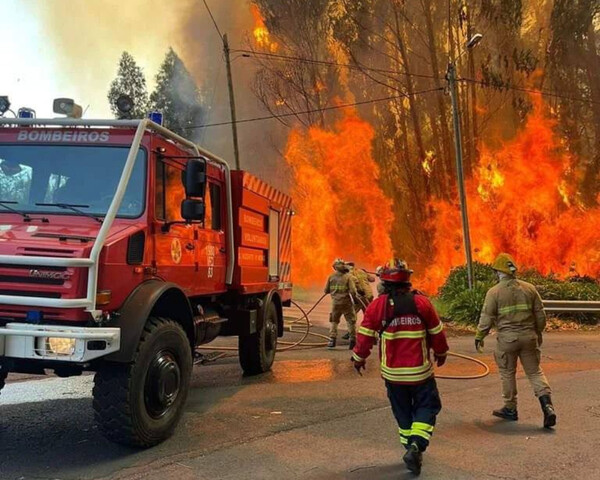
{"type": "Point", "coordinates": [195, 178]}
{"type": "Point", "coordinates": [192, 210]}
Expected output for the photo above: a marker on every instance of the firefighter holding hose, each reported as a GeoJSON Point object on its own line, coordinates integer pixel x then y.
{"type": "Point", "coordinates": [408, 327]}
{"type": "Point", "coordinates": [342, 288]}
{"type": "Point", "coordinates": [516, 309]}
{"type": "Point", "coordinates": [364, 293]}
{"type": "Point", "coordinates": [363, 288]}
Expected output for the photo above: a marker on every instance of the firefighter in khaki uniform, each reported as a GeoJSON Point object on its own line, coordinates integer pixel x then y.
{"type": "Point", "coordinates": [408, 327]}
{"type": "Point", "coordinates": [364, 293]}
{"type": "Point", "coordinates": [362, 280]}
{"type": "Point", "coordinates": [342, 288]}
{"type": "Point", "coordinates": [515, 307]}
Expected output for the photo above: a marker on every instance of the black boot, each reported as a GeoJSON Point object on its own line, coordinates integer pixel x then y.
{"type": "Point", "coordinates": [413, 458]}
{"type": "Point", "coordinates": [506, 413]}
{"type": "Point", "coordinates": [548, 409]}
{"type": "Point", "coordinates": [346, 336]}
{"type": "Point", "coordinates": [352, 344]}
{"type": "Point", "coordinates": [332, 342]}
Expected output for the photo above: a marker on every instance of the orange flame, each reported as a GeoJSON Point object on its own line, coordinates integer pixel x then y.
{"type": "Point", "coordinates": [428, 163]}
{"type": "Point", "coordinates": [519, 202]}
{"type": "Point", "coordinates": [340, 208]}
{"type": "Point", "coordinates": [261, 34]}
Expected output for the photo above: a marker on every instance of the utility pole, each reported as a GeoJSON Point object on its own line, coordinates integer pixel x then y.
{"type": "Point", "coordinates": [451, 77]}
{"type": "Point", "coordinates": [236, 149]}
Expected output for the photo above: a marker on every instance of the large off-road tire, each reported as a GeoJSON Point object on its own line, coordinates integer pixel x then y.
{"type": "Point", "coordinates": [257, 351]}
{"type": "Point", "coordinates": [3, 375]}
{"type": "Point", "coordinates": [140, 404]}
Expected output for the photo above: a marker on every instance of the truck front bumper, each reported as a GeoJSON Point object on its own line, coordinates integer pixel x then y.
{"type": "Point", "coordinates": [52, 342]}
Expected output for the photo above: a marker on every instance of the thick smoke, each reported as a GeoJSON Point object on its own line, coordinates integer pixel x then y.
{"type": "Point", "coordinates": [86, 39]}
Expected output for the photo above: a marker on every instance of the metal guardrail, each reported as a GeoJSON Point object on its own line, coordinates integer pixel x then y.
{"type": "Point", "coordinates": [577, 306]}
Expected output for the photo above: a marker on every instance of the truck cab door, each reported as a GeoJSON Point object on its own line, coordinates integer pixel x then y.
{"type": "Point", "coordinates": [175, 243]}
{"type": "Point", "coordinates": [211, 252]}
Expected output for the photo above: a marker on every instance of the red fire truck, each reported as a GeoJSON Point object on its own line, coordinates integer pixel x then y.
{"type": "Point", "coordinates": [123, 247]}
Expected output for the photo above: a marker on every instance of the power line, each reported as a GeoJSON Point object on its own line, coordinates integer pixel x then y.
{"type": "Point", "coordinates": [546, 93]}
{"type": "Point", "coordinates": [316, 110]}
{"type": "Point", "coordinates": [333, 64]}
{"type": "Point", "coordinates": [213, 20]}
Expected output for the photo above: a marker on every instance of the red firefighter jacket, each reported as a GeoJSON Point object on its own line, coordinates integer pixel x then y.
{"type": "Point", "coordinates": [413, 328]}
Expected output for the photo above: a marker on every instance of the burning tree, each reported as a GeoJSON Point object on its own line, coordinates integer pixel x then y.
{"type": "Point", "coordinates": [336, 51]}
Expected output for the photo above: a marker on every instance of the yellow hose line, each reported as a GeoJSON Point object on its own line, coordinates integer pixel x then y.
{"type": "Point", "coordinates": [302, 344]}
{"type": "Point", "coordinates": [466, 377]}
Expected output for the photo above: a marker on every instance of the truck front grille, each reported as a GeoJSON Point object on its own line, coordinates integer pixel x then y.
{"type": "Point", "coordinates": [27, 293]}
{"type": "Point", "coordinates": [38, 281]}
{"type": "Point", "coordinates": [31, 280]}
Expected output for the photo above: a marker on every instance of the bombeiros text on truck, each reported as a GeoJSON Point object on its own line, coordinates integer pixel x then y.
{"type": "Point", "coordinates": [123, 247]}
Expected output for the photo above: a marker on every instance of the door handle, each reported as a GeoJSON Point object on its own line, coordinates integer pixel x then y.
{"type": "Point", "coordinates": [223, 250]}
{"type": "Point", "coordinates": [189, 246]}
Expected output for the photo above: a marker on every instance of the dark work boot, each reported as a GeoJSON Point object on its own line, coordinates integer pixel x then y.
{"type": "Point", "coordinates": [346, 336]}
{"type": "Point", "coordinates": [352, 344]}
{"type": "Point", "coordinates": [548, 409]}
{"type": "Point", "coordinates": [413, 458]}
{"type": "Point", "coordinates": [506, 413]}
{"type": "Point", "coordinates": [332, 343]}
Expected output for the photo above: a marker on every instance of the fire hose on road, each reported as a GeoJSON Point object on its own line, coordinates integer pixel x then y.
{"type": "Point", "coordinates": [306, 332]}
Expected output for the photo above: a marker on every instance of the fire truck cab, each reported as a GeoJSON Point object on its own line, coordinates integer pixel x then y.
{"type": "Point", "coordinates": [123, 247]}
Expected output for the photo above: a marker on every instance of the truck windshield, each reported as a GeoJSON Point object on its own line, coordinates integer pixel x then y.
{"type": "Point", "coordinates": [69, 174]}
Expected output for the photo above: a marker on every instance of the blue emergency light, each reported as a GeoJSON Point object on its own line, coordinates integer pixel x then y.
{"type": "Point", "coordinates": [34, 316]}
{"type": "Point", "coordinates": [156, 117]}
{"type": "Point", "coordinates": [26, 113]}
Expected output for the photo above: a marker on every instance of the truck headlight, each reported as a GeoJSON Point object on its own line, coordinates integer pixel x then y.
{"type": "Point", "coordinates": [60, 346]}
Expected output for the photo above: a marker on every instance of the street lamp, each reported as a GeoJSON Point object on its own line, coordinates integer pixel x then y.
{"type": "Point", "coordinates": [452, 86]}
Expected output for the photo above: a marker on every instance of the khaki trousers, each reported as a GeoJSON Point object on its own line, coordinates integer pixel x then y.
{"type": "Point", "coordinates": [524, 347]}
{"type": "Point", "coordinates": [347, 310]}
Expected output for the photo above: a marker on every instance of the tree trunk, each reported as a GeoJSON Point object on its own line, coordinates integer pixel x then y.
{"type": "Point", "coordinates": [448, 157]}
{"type": "Point", "coordinates": [474, 141]}
{"type": "Point", "coordinates": [409, 87]}
{"type": "Point", "coordinates": [592, 172]}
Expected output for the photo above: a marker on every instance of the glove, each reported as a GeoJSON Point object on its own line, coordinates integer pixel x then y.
{"type": "Point", "coordinates": [440, 359]}
{"type": "Point", "coordinates": [359, 365]}
{"type": "Point", "coordinates": [479, 345]}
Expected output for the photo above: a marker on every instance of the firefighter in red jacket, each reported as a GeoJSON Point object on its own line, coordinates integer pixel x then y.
{"type": "Point", "coordinates": [409, 327]}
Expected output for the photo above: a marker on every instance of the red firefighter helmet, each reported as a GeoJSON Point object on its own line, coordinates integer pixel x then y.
{"type": "Point", "coordinates": [396, 271]}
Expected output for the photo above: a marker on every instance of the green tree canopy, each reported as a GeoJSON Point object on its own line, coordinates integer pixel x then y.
{"type": "Point", "coordinates": [130, 81]}
{"type": "Point", "coordinates": [177, 96]}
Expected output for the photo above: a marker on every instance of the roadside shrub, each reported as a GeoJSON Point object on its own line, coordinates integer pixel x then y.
{"type": "Point", "coordinates": [457, 280]}
{"type": "Point", "coordinates": [465, 306]}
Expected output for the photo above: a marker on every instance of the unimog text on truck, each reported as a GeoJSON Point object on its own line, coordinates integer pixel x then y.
{"type": "Point", "coordinates": [123, 247]}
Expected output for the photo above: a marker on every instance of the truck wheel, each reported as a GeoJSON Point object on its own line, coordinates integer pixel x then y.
{"type": "Point", "coordinates": [257, 351]}
{"type": "Point", "coordinates": [140, 404]}
{"type": "Point", "coordinates": [3, 375]}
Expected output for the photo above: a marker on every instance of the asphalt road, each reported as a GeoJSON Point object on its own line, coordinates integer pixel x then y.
{"type": "Point", "coordinates": [313, 417]}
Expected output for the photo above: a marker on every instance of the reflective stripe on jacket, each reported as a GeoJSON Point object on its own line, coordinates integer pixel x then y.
{"type": "Point", "coordinates": [405, 343]}
{"type": "Point", "coordinates": [341, 286]}
{"type": "Point", "coordinates": [514, 307]}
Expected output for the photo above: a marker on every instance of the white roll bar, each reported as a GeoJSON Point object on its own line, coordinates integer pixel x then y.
{"type": "Point", "coordinates": [141, 126]}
